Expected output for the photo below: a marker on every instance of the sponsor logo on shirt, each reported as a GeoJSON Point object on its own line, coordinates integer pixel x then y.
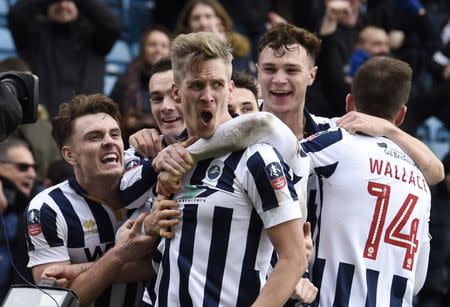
{"type": "Point", "coordinates": [276, 176]}
{"type": "Point", "coordinates": [89, 227]}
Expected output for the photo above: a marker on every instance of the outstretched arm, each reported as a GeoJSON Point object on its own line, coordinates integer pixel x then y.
{"type": "Point", "coordinates": [431, 167]}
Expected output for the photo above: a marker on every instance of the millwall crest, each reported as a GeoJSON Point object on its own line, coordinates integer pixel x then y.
{"type": "Point", "coordinates": [276, 176]}
{"type": "Point", "coordinates": [214, 171]}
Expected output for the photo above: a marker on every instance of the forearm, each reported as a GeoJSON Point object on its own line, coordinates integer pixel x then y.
{"type": "Point", "coordinates": [136, 271]}
{"type": "Point", "coordinates": [431, 167]}
{"type": "Point", "coordinates": [90, 284]}
{"type": "Point", "coordinates": [281, 283]}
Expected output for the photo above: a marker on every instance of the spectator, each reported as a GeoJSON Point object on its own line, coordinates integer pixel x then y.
{"type": "Point", "coordinates": [131, 90]}
{"type": "Point", "coordinates": [57, 172]}
{"type": "Point", "coordinates": [211, 16]}
{"type": "Point", "coordinates": [65, 43]}
{"type": "Point", "coordinates": [17, 174]}
{"type": "Point", "coordinates": [436, 291]}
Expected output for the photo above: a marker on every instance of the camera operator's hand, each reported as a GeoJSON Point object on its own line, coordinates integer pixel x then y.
{"type": "Point", "coordinates": [3, 201]}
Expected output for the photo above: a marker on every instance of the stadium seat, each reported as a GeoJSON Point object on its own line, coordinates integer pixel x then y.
{"type": "Point", "coordinates": [118, 59]}
{"type": "Point", "coordinates": [109, 82]}
{"type": "Point", "coordinates": [7, 48]}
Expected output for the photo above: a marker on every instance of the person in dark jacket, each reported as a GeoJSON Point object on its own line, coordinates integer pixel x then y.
{"type": "Point", "coordinates": [436, 291]}
{"type": "Point", "coordinates": [65, 43]}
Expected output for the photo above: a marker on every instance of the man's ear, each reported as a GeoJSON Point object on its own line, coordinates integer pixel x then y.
{"type": "Point", "coordinates": [312, 75]}
{"type": "Point", "coordinates": [175, 93]}
{"type": "Point", "coordinates": [349, 103]}
{"type": "Point", "coordinates": [69, 155]}
{"type": "Point", "coordinates": [400, 115]}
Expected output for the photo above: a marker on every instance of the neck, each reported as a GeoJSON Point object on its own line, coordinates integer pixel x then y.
{"type": "Point", "coordinates": [294, 120]}
{"type": "Point", "coordinates": [104, 190]}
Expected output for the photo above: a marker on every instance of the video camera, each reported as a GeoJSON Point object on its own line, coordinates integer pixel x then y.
{"type": "Point", "coordinates": [19, 98]}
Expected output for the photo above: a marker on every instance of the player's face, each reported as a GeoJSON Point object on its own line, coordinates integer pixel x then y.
{"type": "Point", "coordinates": [204, 94]}
{"type": "Point", "coordinates": [96, 147]}
{"type": "Point", "coordinates": [243, 102]}
{"type": "Point", "coordinates": [284, 78]}
{"type": "Point", "coordinates": [165, 109]}
{"type": "Point", "coordinates": [156, 47]}
{"type": "Point", "coordinates": [18, 167]}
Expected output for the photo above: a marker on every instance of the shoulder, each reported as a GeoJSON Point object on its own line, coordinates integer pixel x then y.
{"type": "Point", "coordinates": [322, 140]}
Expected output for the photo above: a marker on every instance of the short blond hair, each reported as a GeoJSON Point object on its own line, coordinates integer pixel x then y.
{"type": "Point", "coordinates": [193, 48]}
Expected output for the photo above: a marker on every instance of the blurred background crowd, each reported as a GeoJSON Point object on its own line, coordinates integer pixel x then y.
{"type": "Point", "coordinates": [91, 46]}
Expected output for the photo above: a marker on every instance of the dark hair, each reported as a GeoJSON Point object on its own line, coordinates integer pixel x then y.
{"type": "Point", "coordinates": [58, 171]}
{"type": "Point", "coordinates": [282, 35]}
{"type": "Point", "coordinates": [381, 86]}
{"type": "Point", "coordinates": [11, 142]}
{"type": "Point", "coordinates": [79, 106]}
{"type": "Point", "coordinates": [244, 80]}
{"type": "Point", "coordinates": [162, 65]}
{"type": "Point", "coordinates": [219, 10]}
{"type": "Point", "coordinates": [146, 33]}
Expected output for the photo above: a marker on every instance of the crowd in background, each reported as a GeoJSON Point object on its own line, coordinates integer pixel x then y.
{"type": "Point", "coordinates": [66, 42]}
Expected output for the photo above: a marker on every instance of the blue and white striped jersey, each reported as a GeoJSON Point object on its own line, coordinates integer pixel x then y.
{"type": "Point", "coordinates": [221, 253]}
{"type": "Point", "coordinates": [371, 221]}
{"type": "Point", "coordinates": [65, 224]}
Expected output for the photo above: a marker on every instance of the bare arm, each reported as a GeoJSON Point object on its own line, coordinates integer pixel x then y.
{"type": "Point", "coordinates": [288, 240]}
{"type": "Point", "coordinates": [91, 279]}
{"type": "Point", "coordinates": [431, 167]}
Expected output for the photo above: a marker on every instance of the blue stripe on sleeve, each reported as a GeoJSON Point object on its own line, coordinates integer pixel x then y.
{"type": "Point", "coordinates": [322, 140]}
{"type": "Point", "coordinates": [256, 166]}
{"type": "Point", "coordinates": [49, 228]}
{"type": "Point", "coordinates": [141, 186]}
{"type": "Point", "coordinates": [75, 235]}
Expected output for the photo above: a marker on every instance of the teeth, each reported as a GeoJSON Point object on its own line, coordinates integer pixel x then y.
{"type": "Point", "coordinates": [171, 119]}
{"type": "Point", "coordinates": [110, 156]}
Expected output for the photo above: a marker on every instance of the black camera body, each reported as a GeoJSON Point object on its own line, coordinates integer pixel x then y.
{"type": "Point", "coordinates": [24, 88]}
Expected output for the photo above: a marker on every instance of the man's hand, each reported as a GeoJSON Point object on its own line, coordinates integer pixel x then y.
{"type": "Point", "coordinates": [147, 142]}
{"type": "Point", "coordinates": [359, 122]}
{"type": "Point", "coordinates": [305, 291]}
{"type": "Point", "coordinates": [3, 201]}
{"type": "Point", "coordinates": [131, 245]}
{"type": "Point", "coordinates": [175, 159]}
{"type": "Point", "coordinates": [165, 215]}
{"type": "Point", "coordinates": [63, 274]}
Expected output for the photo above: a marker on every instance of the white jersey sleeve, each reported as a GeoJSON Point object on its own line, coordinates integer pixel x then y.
{"type": "Point", "coordinates": [269, 184]}
{"type": "Point", "coordinates": [46, 229]}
